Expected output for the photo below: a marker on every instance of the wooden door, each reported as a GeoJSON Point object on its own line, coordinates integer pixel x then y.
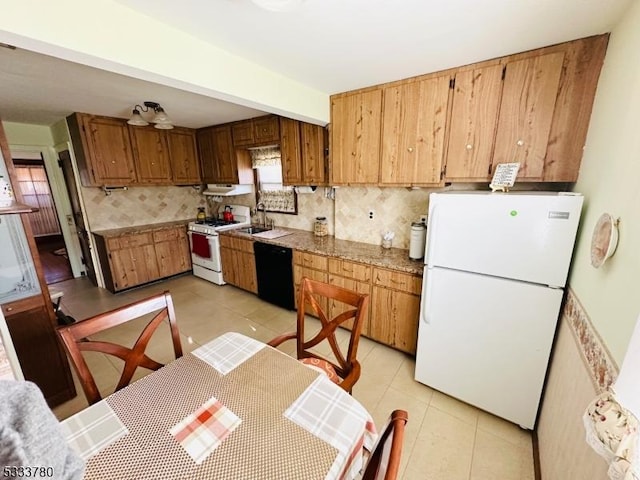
{"type": "Point", "coordinates": [526, 112]}
{"type": "Point", "coordinates": [247, 275]}
{"type": "Point", "coordinates": [336, 308]}
{"type": "Point", "coordinates": [64, 160]}
{"type": "Point", "coordinates": [290, 151]}
{"type": "Point", "coordinates": [242, 133]}
{"type": "Point", "coordinates": [204, 140]}
{"type": "Point", "coordinates": [185, 166]}
{"type": "Point", "coordinates": [314, 158]}
{"type": "Point", "coordinates": [109, 150]}
{"type": "Point", "coordinates": [474, 116]}
{"type": "Point", "coordinates": [413, 132]}
{"type": "Point", "coordinates": [151, 155]}
{"type": "Point", "coordinates": [394, 318]}
{"type": "Point", "coordinates": [134, 263]}
{"type": "Point", "coordinates": [224, 156]}
{"type": "Point", "coordinates": [229, 265]}
{"type": "Point", "coordinates": [355, 138]}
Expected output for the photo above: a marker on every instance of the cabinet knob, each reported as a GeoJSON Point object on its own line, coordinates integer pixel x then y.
{"type": "Point", "coordinates": [520, 143]}
{"type": "Point", "coordinates": [353, 154]}
{"type": "Point", "coordinates": [113, 161]}
{"type": "Point", "coordinates": [410, 149]}
{"type": "Point", "coordinates": [469, 146]}
{"type": "Point", "coordinates": [9, 309]}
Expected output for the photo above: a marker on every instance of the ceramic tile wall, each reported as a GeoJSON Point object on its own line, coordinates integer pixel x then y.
{"type": "Point", "coordinates": [140, 206]}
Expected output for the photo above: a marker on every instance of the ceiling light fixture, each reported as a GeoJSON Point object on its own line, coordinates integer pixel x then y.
{"type": "Point", "coordinates": [160, 119]}
{"type": "Point", "coordinates": [278, 5]}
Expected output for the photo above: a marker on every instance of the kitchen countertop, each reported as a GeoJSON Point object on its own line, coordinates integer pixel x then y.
{"type": "Point", "coordinates": [392, 258]}
{"type": "Point", "coordinates": [118, 232]}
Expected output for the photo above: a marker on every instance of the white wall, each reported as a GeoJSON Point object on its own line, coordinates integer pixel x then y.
{"type": "Point", "coordinates": [610, 180]}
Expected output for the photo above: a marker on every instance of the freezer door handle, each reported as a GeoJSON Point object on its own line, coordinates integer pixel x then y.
{"type": "Point", "coordinates": [427, 313]}
{"type": "Point", "coordinates": [431, 235]}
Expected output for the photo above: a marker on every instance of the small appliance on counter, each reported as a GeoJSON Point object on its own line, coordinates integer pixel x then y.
{"type": "Point", "coordinates": [417, 240]}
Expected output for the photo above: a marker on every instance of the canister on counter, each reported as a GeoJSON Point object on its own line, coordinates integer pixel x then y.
{"type": "Point", "coordinates": [417, 241]}
{"type": "Point", "coordinates": [320, 227]}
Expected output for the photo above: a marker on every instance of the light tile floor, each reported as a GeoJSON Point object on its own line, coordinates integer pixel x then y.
{"type": "Point", "coordinates": [445, 439]}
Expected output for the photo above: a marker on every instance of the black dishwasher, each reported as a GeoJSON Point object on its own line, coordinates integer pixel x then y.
{"type": "Point", "coordinates": [274, 269]}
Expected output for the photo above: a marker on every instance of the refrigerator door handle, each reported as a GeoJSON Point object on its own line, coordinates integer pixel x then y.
{"type": "Point", "coordinates": [431, 235]}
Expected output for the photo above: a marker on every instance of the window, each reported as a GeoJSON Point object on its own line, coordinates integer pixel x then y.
{"type": "Point", "coordinates": [275, 196]}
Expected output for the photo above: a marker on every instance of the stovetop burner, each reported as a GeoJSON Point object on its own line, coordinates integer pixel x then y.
{"type": "Point", "coordinates": [212, 222]}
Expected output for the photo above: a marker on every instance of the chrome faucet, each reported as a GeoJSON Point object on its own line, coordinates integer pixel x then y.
{"type": "Point", "coordinates": [261, 208]}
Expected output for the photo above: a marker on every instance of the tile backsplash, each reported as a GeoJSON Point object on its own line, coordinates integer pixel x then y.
{"type": "Point", "coordinates": [140, 206]}
{"type": "Point", "coordinates": [347, 216]}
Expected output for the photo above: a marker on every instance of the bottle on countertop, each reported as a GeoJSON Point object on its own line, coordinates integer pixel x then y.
{"type": "Point", "coordinates": [320, 227]}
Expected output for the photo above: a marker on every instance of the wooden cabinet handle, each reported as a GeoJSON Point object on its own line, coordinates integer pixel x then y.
{"type": "Point", "coordinates": [520, 143]}
{"type": "Point", "coordinates": [9, 309]}
{"type": "Point", "coordinates": [410, 149]}
{"type": "Point", "coordinates": [469, 146]}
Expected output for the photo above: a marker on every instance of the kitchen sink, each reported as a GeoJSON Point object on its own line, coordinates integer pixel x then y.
{"type": "Point", "coordinates": [252, 230]}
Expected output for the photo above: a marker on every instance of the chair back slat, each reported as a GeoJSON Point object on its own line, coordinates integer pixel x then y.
{"type": "Point", "coordinates": [75, 338]}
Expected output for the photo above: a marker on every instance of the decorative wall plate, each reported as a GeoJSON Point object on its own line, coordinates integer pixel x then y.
{"type": "Point", "coordinates": [604, 240]}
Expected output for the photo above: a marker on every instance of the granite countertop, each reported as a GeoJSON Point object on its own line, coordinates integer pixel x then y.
{"type": "Point", "coordinates": [118, 232]}
{"type": "Point", "coordinates": [392, 258]}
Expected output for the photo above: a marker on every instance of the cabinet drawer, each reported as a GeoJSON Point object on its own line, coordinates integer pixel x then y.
{"type": "Point", "coordinates": [129, 241]}
{"type": "Point", "coordinates": [166, 235]}
{"type": "Point", "coordinates": [310, 260]}
{"type": "Point", "coordinates": [404, 282]}
{"type": "Point", "coordinates": [236, 243]}
{"type": "Point", "coordinates": [346, 268]}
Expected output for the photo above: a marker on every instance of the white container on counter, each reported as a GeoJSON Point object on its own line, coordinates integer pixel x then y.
{"type": "Point", "coordinates": [417, 240]}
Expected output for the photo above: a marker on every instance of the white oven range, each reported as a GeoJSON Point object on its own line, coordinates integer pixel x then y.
{"type": "Point", "coordinates": [205, 242]}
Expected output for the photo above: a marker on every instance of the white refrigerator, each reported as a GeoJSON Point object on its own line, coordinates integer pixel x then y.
{"type": "Point", "coordinates": [495, 268]}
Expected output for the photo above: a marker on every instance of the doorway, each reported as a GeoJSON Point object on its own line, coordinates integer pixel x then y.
{"type": "Point", "coordinates": [33, 183]}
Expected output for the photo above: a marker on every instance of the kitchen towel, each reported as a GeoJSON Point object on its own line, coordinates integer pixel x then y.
{"type": "Point", "coordinates": [200, 245]}
{"type": "Point", "coordinates": [201, 432]}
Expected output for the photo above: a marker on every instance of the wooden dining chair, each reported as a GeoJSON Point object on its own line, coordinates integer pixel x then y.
{"type": "Point", "coordinates": [76, 339]}
{"type": "Point", "coordinates": [384, 461]}
{"type": "Point", "coordinates": [345, 371]}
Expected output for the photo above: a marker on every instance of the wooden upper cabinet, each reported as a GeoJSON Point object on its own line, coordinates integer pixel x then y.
{"type": "Point", "coordinates": [266, 130]}
{"type": "Point", "coordinates": [303, 153]}
{"type": "Point", "coordinates": [314, 154]}
{"type": "Point", "coordinates": [413, 132]}
{"type": "Point", "coordinates": [526, 112]}
{"type": "Point", "coordinates": [103, 150]}
{"type": "Point", "coordinates": [474, 115]}
{"type": "Point", "coordinates": [290, 151]}
{"type": "Point", "coordinates": [185, 166]}
{"type": "Point", "coordinates": [151, 155]}
{"type": "Point", "coordinates": [355, 138]}
{"type": "Point", "coordinates": [221, 162]}
{"type": "Point", "coordinates": [582, 64]}
{"type": "Point", "coordinates": [256, 131]}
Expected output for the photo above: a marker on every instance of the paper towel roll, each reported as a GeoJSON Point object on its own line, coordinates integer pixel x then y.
{"type": "Point", "coordinates": [303, 189]}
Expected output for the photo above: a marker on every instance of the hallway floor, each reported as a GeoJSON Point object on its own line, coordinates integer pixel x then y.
{"type": "Point", "coordinates": [445, 439]}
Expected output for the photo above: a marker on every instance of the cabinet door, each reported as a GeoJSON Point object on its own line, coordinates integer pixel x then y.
{"type": "Point", "coordinates": [355, 138]}
{"type": "Point", "coordinates": [394, 318]}
{"type": "Point", "coordinates": [413, 132]}
{"type": "Point", "coordinates": [229, 265]}
{"type": "Point", "coordinates": [321, 276]}
{"type": "Point", "coordinates": [474, 115]}
{"type": "Point", "coordinates": [336, 308]}
{"type": "Point", "coordinates": [151, 155]}
{"type": "Point", "coordinates": [134, 266]}
{"type": "Point", "coordinates": [242, 133]}
{"type": "Point", "coordinates": [219, 163]}
{"type": "Point", "coordinates": [314, 165]}
{"type": "Point", "coordinates": [266, 130]}
{"type": "Point", "coordinates": [526, 111]}
{"type": "Point", "coordinates": [247, 277]}
{"type": "Point", "coordinates": [290, 151]}
{"type": "Point", "coordinates": [38, 349]}
{"type": "Point", "coordinates": [109, 148]}
{"type": "Point", "coordinates": [185, 166]}
{"type": "Point", "coordinates": [172, 251]}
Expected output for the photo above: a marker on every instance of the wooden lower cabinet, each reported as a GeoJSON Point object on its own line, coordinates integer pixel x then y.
{"type": "Point", "coordinates": [394, 302]}
{"type": "Point", "coordinates": [31, 324]}
{"type": "Point", "coordinates": [137, 258]}
{"type": "Point", "coordinates": [395, 309]}
{"type": "Point", "coordinates": [238, 263]}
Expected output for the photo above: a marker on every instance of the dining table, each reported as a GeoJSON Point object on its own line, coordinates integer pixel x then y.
{"type": "Point", "coordinates": [233, 408]}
